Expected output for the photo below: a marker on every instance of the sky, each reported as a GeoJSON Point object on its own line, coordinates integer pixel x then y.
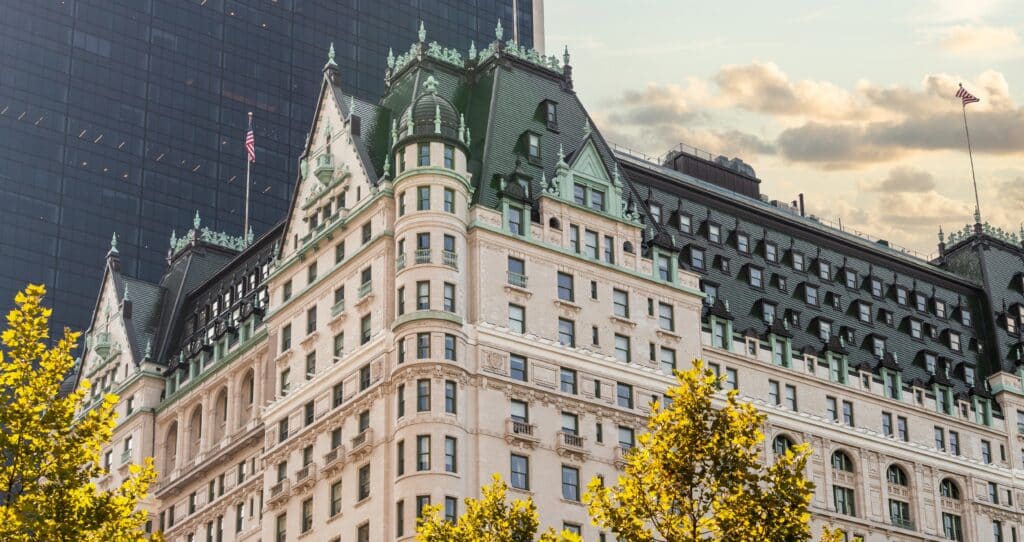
{"type": "Point", "coordinates": [849, 103]}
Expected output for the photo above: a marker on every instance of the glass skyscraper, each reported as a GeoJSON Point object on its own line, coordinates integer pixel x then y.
{"type": "Point", "coordinates": [129, 116]}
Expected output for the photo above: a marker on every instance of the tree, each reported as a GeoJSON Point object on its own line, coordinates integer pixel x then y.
{"type": "Point", "coordinates": [488, 519]}
{"type": "Point", "coordinates": [697, 475]}
{"type": "Point", "coordinates": [47, 458]}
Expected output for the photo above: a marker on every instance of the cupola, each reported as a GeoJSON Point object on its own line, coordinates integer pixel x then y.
{"type": "Point", "coordinates": [431, 116]}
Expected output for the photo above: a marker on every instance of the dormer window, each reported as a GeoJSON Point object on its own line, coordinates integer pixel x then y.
{"type": "Point", "coordinates": [915, 329]}
{"type": "Point", "coordinates": [597, 200]}
{"type": "Point", "coordinates": [714, 233]}
{"type": "Point", "coordinates": [423, 155]}
{"type": "Point", "coordinates": [798, 261]}
{"type": "Point", "coordinates": [954, 341]}
{"type": "Point", "coordinates": [533, 147]}
{"type": "Point", "coordinates": [901, 295]}
{"type": "Point", "coordinates": [551, 114]}
{"type": "Point", "coordinates": [824, 329]}
{"type": "Point", "coordinates": [697, 258]}
{"type": "Point", "coordinates": [771, 252]}
{"type": "Point", "coordinates": [743, 243]}
{"type": "Point", "coordinates": [579, 194]}
{"type": "Point", "coordinates": [930, 361]}
{"type": "Point", "coordinates": [811, 294]}
{"type": "Point", "coordinates": [851, 278]}
{"type": "Point", "coordinates": [876, 287]}
{"type": "Point", "coordinates": [1011, 324]}
{"type": "Point", "coordinates": [656, 213]}
{"type": "Point", "coordinates": [965, 316]}
{"type": "Point", "coordinates": [940, 308]}
{"type": "Point", "coordinates": [921, 302]}
{"type": "Point", "coordinates": [864, 312]}
{"type": "Point", "coordinates": [756, 277]}
{"type": "Point", "coordinates": [685, 223]}
{"type": "Point", "coordinates": [768, 313]}
{"type": "Point", "coordinates": [969, 375]}
{"type": "Point", "coordinates": [516, 220]}
{"type": "Point", "coordinates": [824, 270]}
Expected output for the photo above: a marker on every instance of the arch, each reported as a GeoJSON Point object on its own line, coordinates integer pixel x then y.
{"type": "Point", "coordinates": [949, 489]}
{"type": "Point", "coordinates": [195, 431]}
{"type": "Point", "coordinates": [220, 414]}
{"type": "Point", "coordinates": [554, 223]}
{"type": "Point", "coordinates": [247, 397]}
{"type": "Point", "coordinates": [897, 476]}
{"type": "Point", "coordinates": [627, 247]}
{"type": "Point", "coordinates": [781, 444]}
{"type": "Point", "coordinates": [842, 461]}
{"type": "Point", "coordinates": [171, 447]}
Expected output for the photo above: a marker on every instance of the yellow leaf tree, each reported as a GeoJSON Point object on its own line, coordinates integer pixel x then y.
{"type": "Point", "coordinates": [490, 518]}
{"type": "Point", "coordinates": [697, 475]}
{"type": "Point", "coordinates": [49, 458]}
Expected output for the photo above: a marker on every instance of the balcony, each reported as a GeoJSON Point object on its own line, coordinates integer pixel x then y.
{"type": "Point", "coordinates": [338, 308]}
{"type": "Point", "coordinates": [334, 459]}
{"type": "Point", "coordinates": [324, 169]}
{"type": "Point", "coordinates": [126, 456]}
{"type": "Point", "coordinates": [400, 262]}
{"type": "Point", "coordinates": [304, 473]}
{"type": "Point", "coordinates": [517, 280]}
{"type": "Point", "coordinates": [422, 256]}
{"type": "Point", "coordinates": [521, 431]}
{"type": "Point", "coordinates": [279, 492]}
{"type": "Point", "coordinates": [621, 454]}
{"type": "Point", "coordinates": [101, 343]}
{"type": "Point", "coordinates": [450, 259]}
{"type": "Point", "coordinates": [365, 289]}
{"type": "Point", "coordinates": [362, 443]}
{"type": "Point", "coordinates": [569, 443]}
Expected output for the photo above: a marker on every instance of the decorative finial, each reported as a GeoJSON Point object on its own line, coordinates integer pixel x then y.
{"type": "Point", "coordinates": [113, 243]}
{"type": "Point", "coordinates": [394, 131]}
{"type": "Point", "coordinates": [149, 348]}
{"type": "Point", "coordinates": [125, 298]}
{"type": "Point", "coordinates": [391, 58]}
{"type": "Point", "coordinates": [330, 55]}
{"type": "Point", "coordinates": [249, 237]}
{"type": "Point", "coordinates": [472, 50]}
{"type": "Point", "coordinates": [195, 221]}
{"type": "Point", "coordinates": [616, 179]}
{"type": "Point", "coordinates": [437, 119]}
{"type": "Point", "coordinates": [462, 128]}
{"type": "Point", "coordinates": [977, 215]}
{"type": "Point", "coordinates": [565, 56]}
{"type": "Point", "coordinates": [469, 138]}
{"type": "Point", "coordinates": [499, 32]}
{"type": "Point", "coordinates": [586, 128]}
{"type": "Point", "coordinates": [561, 153]}
{"type": "Point", "coordinates": [422, 34]}
{"type": "Point", "coordinates": [430, 85]}
{"type": "Point", "coordinates": [174, 239]}
{"type": "Point", "coordinates": [387, 165]}
{"type": "Point", "coordinates": [942, 236]}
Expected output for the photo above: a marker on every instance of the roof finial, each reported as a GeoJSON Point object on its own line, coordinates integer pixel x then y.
{"type": "Point", "coordinates": [174, 239]}
{"type": "Point", "coordinates": [586, 128]}
{"type": "Point", "coordinates": [462, 128]}
{"type": "Point", "coordinates": [565, 56]}
{"type": "Point", "coordinates": [472, 50]}
{"type": "Point", "coordinates": [977, 215]}
{"type": "Point", "coordinates": [391, 58]}
{"type": "Point", "coordinates": [387, 165]}
{"type": "Point", "coordinates": [499, 32]}
{"type": "Point", "coordinates": [125, 298]}
{"type": "Point", "coordinates": [942, 236]}
{"type": "Point", "coordinates": [430, 85]}
{"type": "Point", "coordinates": [249, 237]}
{"type": "Point", "coordinates": [561, 153]}
{"type": "Point", "coordinates": [195, 221]}
{"type": "Point", "coordinates": [422, 34]}
{"type": "Point", "coordinates": [149, 348]}
{"type": "Point", "coordinates": [616, 180]}
{"type": "Point", "coordinates": [113, 244]}
{"type": "Point", "coordinates": [437, 119]}
{"type": "Point", "coordinates": [330, 55]}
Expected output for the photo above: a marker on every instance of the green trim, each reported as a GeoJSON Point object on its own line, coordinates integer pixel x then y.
{"type": "Point", "coordinates": [726, 334]}
{"type": "Point", "coordinates": [242, 348]}
{"type": "Point", "coordinates": [426, 315]}
{"type": "Point", "coordinates": [590, 210]}
{"type": "Point", "coordinates": [842, 371]}
{"type": "Point", "coordinates": [567, 252]}
{"type": "Point", "coordinates": [441, 171]}
{"type": "Point", "coordinates": [787, 350]}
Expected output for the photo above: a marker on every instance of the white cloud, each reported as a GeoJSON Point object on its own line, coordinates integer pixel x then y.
{"type": "Point", "coordinates": [978, 38]}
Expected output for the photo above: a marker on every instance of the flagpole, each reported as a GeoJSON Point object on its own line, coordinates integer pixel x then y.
{"type": "Point", "coordinates": [977, 205]}
{"type": "Point", "coordinates": [248, 167]}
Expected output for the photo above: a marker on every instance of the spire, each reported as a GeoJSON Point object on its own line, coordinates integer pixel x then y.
{"type": "Point", "coordinates": [330, 57]}
{"type": "Point", "coordinates": [942, 236]}
{"type": "Point", "coordinates": [422, 34]}
{"type": "Point", "coordinates": [174, 239]}
{"type": "Point", "coordinates": [113, 245]}
{"type": "Point", "coordinates": [149, 349]}
{"type": "Point", "coordinates": [472, 50]}
{"type": "Point", "coordinates": [462, 128]}
{"type": "Point", "coordinates": [387, 165]}
{"type": "Point", "coordinates": [391, 58]}
{"type": "Point", "coordinates": [437, 119]}
{"type": "Point", "coordinates": [565, 56]}
{"type": "Point", "coordinates": [195, 221]}
{"type": "Point", "coordinates": [499, 32]}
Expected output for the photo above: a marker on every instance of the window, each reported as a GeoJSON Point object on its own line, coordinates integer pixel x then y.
{"type": "Point", "coordinates": [811, 294]}
{"type": "Point", "coordinates": [574, 238]}
{"type": "Point", "coordinates": [954, 341]}
{"type": "Point", "coordinates": [565, 287]}
{"type": "Point", "coordinates": [714, 233]}
{"type": "Point", "coordinates": [916, 329]}
{"type": "Point", "coordinates": [364, 482]}
{"type": "Point", "coordinates": [566, 332]}
{"type": "Point", "coordinates": [284, 385]}
{"type": "Point", "coordinates": [286, 338]}
{"type": "Point", "coordinates": [696, 259]}
{"type": "Point", "coordinates": [930, 362]}
{"type": "Point", "coordinates": [363, 533]}
{"type": "Point", "coordinates": [842, 498]}
{"type": "Point", "coordinates": [791, 397]}
{"type": "Point", "coordinates": [520, 411]}
{"type": "Point", "coordinates": [655, 211]}
{"type": "Point", "coordinates": [281, 528]}
{"type": "Point", "coordinates": [668, 360]}
{"type": "Point", "coordinates": [954, 443]}
{"type": "Point", "coordinates": [517, 318]}
{"type": "Point", "coordinates": [798, 261]}
{"type": "Point", "coordinates": [666, 317]}
{"type": "Point", "coordinates": [451, 509]}
{"type": "Point", "coordinates": [423, 198]}
{"type": "Point", "coordinates": [848, 413]}
{"type": "Point", "coordinates": [756, 277]}
{"type": "Point", "coordinates": [286, 291]}
{"type": "Point", "coordinates": [824, 330]}
{"type": "Point", "coordinates": [833, 408]}
{"type": "Point", "coordinates": [307, 515]}
{"type": "Point", "coordinates": [533, 146]}
{"type": "Point", "coordinates": [624, 395]}
{"type": "Point", "coordinates": [367, 232]}
{"type": "Point", "coordinates": [401, 400]}
{"type": "Point", "coordinates": [768, 313]}
{"type": "Point", "coordinates": [422, 501]}
{"type": "Point", "coordinates": [597, 199]}
{"type": "Point", "coordinates": [450, 457]}
{"type": "Point", "coordinates": [423, 395]}
{"type": "Point", "coordinates": [627, 438]}
{"type": "Point", "coordinates": [620, 303]}
{"type": "Point", "coordinates": [665, 268]}
{"type": "Point", "coordinates": [450, 397]}
{"type": "Point", "coordinates": [951, 527]}
{"type": "Point", "coordinates": [899, 514]}
{"type": "Point", "coordinates": [940, 439]}
{"type": "Point", "coordinates": [449, 157]}
{"type": "Point", "coordinates": [401, 203]}
{"type": "Point", "coordinates": [551, 113]}
{"type": "Point", "coordinates": [520, 472]}
{"type": "Point", "coordinates": [449, 347]}
{"type": "Point", "coordinates": [732, 381]}
{"type": "Point", "coordinates": [897, 476]}
{"type": "Point", "coordinates": [568, 381]}
{"type": "Point", "coordinates": [993, 493]}
{"type": "Point", "coordinates": [887, 424]}
{"type": "Point", "coordinates": [449, 297]}
{"type": "Point", "coordinates": [423, 157]}
{"type": "Point", "coordinates": [864, 312]}
{"type": "Point", "coordinates": [570, 423]}
{"type": "Point", "coordinates": [517, 367]}
{"type": "Point", "coordinates": [743, 243]}
{"type": "Point", "coordinates": [685, 224]}
{"type": "Point", "coordinates": [771, 252]}
{"type": "Point", "coordinates": [876, 287]}
{"type": "Point", "coordinates": [949, 490]}
{"type": "Point", "coordinates": [400, 518]}
{"type": "Point", "coordinates": [570, 483]}
{"type": "Point", "coordinates": [781, 444]}
{"type": "Point", "coordinates": [901, 429]}
{"type": "Point", "coordinates": [423, 452]}
{"type": "Point", "coordinates": [773, 393]}
{"type": "Point", "coordinates": [851, 278]}
{"type": "Point", "coordinates": [824, 270]}
{"type": "Point", "coordinates": [590, 244]}
{"type": "Point", "coordinates": [364, 329]}
{"type": "Point", "coordinates": [516, 272]}
{"type": "Point", "coordinates": [841, 461]}
{"type": "Point", "coordinates": [449, 199]}
{"type": "Point", "coordinates": [986, 452]}
{"type": "Point", "coordinates": [516, 220]}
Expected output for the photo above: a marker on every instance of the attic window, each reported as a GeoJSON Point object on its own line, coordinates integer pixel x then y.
{"type": "Point", "coordinates": [551, 114]}
{"type": "Point", "coordinates": [533, 146]}
{"type": "Point", "coordinates": [655, 210]}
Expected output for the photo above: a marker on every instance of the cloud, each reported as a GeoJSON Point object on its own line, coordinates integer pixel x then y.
{"type": "Point", "coordinates": [903, 179]}
{"type": "Point", "coordinates": [978, 38]}
{"type": "Point", "coordinates": [764, 88]}
{"type": "Point", "coordinates": [922, 211]}
{"type": "Point", "coordinates": [655, 104]}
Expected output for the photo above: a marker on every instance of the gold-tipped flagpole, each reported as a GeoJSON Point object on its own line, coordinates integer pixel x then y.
{"type": "Point", "coordinates": [248, 168]}
{"type": "Point", "coordinates": [966, 98]}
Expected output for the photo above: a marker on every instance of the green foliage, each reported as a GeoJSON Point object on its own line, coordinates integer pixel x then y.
{"type": "Point", "coordinates": [49, 459]}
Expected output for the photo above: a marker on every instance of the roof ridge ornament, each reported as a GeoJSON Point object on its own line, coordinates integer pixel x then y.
{"type": "Point", "coordinates": [422, 34]}
{"type": "Point", "coordinates": [195, 221]}
{"type": "Point", "coordinates": [499, 32]}
{"type": "Point", "coordinates": [113, 244]}
{"type": "Point", "coordinates": [462, 128]}
{"type": "Point", "coordinates": [472, 50]}
{"type": "Point", "coordinates": [437, 118]}
{"type": "Point", "coordinates": [391, 58]}
{"type": "Point", "coordinates": [430, 85]}
{"type": "Point", "coordinates": [330, 57]}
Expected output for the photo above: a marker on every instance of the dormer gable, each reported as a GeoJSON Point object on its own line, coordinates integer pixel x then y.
{"type": "Point", "coordinates": [584, 181]}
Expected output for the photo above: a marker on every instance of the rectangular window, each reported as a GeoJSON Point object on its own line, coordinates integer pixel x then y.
{"type": "Point", "coordinates": [851, 278]}
{"type": "Point", "coordinates": [848, 413]}
{"type": "Point", "coordinates": [450, 454]}
{"type": "Point", "coordinates": [773, 393]}
{"type": "Point", "coordinates": [519, 411]}
{"type": "Point", "coordinates": [714, 233]}
{"type": "Point", "coordinates": [570, 483]}
{"type": "Point", "coordinates": [451, 509]}
{"type": "Point", "coordinates": [940, 439]}
{"type": "Point", "coordinates": [609, 249]}
{"type": "Point", "coordinates": [423, 157]}
{"type": "Point", "coordinates": [516, 221]}
{"type": "Point", "coordinates": [620, 303]}
{"type": "Point", "coordinates": [666, 317]}
{"type": "Point", "coordinates": [423, 395]}
{"type": "Point", "coordinates": [401, 400]}
{"type": "Point", "coordinates": [517, 367]}
{"type": "Point", "coordinates": [668, 360]}
{"type": "Point", "coordinates": [400, 518]}
{"type": "Point", "coordinates": [798, 261]}
{"type": "Point", "coordinates": [622, 348]}
{"type": "Point", "coordinates": [732, 380]}
{"type": "Point", "coordinates": [449, 297]}
{"type": "Point", "coordinates": [574, 238]}
{"type": "Point", "coordinates": [565, 287]}
{"type": "Point", "coordinates": [449, 157]}
{"type": "Point", "coordinates": [833, 408]}
{"type": "Point", "coordinates": [449, 200]}
{"type": "Point", "coordinates": [517, 318]}
{"type": "Point", "coordinates": [624, 395]}
{"type": "Point", "coordinates": [954, 443]}
{"type": "Point", "coordinates": [520, 472]}
{"type": "Point", "coordinates": [533, 146]}
{"type": "Point", "coordinates": [450, 397]}
{"type": "Point", "coordinates": [843, 499]}
{"type": "Point", "coordinates": [627, 437]}
{"type": "Point", "coordinates": [286, 338]}
{"type": "Point", "coordinates": [756, 277]}
{"type": "Point", "coordinates": [367, 232]}
{"type": "Point", "coordinates": [568, 381]}
{"type": "Point", "coordinates": [696, 258]}
{"type": "Point", "coordinates": [307, 515]}
{"type": "Point", "coordinates": [811, 295]}
{"type": "Point", "coordinates": [887, 428]}
{"type": "Point", "coordinates": [423, 198]}
{"type": "Point", "coordinates": [364, 482]}
{"type": "Point", "coordinates": [423, 295]}
{"type": "Point", "coordinates": [364, 330]}
{"type": "Point", "coordinates": [423, 452]}
{"type": "Point", "coordinates": [664, 268]}
{"type": "Point", "coordinates": [901, 429]}
{"type": "Point", "coordinates": [590, 244]}
{"type": "Point", "coordinates": [864, 312]}
{"type": "Point", "coordinates": [449, 347]}
{"type": "Point", "coordinates": [516, 272]}
{"type": "Point", "coordinates": [579, 194]}
{"type": "Point", "coordinates": [596, 200]}
{"type": "Point", "coordinates": [986, 452]}
{"type": "Point", "coordinates": [791, 397]}
{"type": "Point", "coordinates": [566, 332]}
{"type": "Point", "coordinates": [400, 458]}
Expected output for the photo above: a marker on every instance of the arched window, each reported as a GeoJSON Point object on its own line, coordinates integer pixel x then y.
{"type": "Point", "coordinates": [896, 475]}
{"type": "Point", "coordinates": [247, 398]}
{"type": "Point", "coordinates": [627, 247]}
{"type": "Point", "coordinates": [195, 431]}
{"type": "Point", "coordinates": [781, 444]}
{"type": "Point", "coordinates": [171, 447]}
{"type": "Point", "coordinates": [949, 489]}
{"type": "Point", "coordinates": [841, 461]}
{"type": "Point", "coordinates": [554, 223]}
{"type": "Point", "coordinates": [220, 414]}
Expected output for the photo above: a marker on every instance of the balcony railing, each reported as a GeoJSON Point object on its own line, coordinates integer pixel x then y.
{"type": "Point", "coordinates": [570, 440]}
{"type": "Point", "coordinates": [422, 255]}
{"type": "Point", "coordinates": [304, 472]}
{"type": "Point", "coordinates": [126, 456]}
{"type": "Point", "coordinates": [517, 279]}
{"type": "Point", "coordinates": [361, 439]}
{"type": "Point", "coordinates": [450, 259]}
{"type": "Point", "coordinates": [364, 288]}
{"type": "Point", "coordinates": [400, 262]}
{"type": "Point", "coordinates": [521, 430]}
{"type": "Point", "coordinates": [338, 308]}
{"type": "Point", "coordinates": [101, 343]}
{"type": "Point", "coordinates": [902, 522]}
{"type": "Point", "coordinates": [331, 457]}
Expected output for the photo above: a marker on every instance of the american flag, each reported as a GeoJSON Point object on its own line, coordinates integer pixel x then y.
{"type": "Point", "coordinates": [250, 142]}
{"type": "Point", "coordinates": [966, 97]}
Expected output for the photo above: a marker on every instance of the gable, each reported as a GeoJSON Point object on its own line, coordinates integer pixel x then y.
{"type": "Point", "coordinates": [588, 162]}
